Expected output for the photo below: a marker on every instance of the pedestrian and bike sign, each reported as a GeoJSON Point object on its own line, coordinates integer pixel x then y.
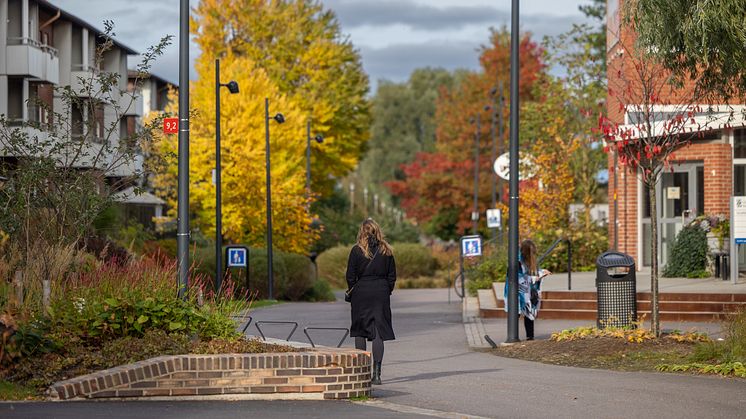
{"type": "Point", "coordinates": [471, 246]}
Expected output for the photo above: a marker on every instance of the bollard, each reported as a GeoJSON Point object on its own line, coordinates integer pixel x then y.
{"type": "Point", "coordinates": [46, 294]}
{"type": "Point", "coordinates": [18, 284]}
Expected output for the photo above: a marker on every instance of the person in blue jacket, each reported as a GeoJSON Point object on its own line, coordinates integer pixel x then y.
{"type": "Point", "coordinates": [529, 286]}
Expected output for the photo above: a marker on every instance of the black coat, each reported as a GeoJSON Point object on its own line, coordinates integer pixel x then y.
{"type": "Point", "coordinates": [371, 306]}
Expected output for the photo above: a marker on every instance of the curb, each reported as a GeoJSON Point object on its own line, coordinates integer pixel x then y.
{"type": "Point", "coordinates": [473, 326]}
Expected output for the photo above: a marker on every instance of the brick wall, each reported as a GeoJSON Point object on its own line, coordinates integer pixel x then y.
{"type": "Point", "coordinates": [718, 175]}
{"type": "Point", "coordinates": [327, 374]}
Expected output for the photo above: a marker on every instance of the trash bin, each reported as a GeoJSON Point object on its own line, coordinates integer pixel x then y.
{"type": "Point", "coordinates": [616, 290]}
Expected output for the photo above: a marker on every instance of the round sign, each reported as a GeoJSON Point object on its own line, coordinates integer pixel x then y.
{"type": "Point", "coordinates": [527, 168]}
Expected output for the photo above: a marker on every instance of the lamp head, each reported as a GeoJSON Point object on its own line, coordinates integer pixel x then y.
{"type": "Point", "coordinates": [232, 87]}
{"type": "Point", "coordinates": [279, 118]}
{"type": "Point", "coordinates": [318, 138]}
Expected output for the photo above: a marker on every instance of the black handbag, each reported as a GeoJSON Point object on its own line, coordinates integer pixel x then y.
{"type": "Point", "coordinates": [348, 292]}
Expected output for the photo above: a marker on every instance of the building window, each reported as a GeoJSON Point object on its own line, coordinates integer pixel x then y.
{"type": "Point", "coordinates": [739, 144]}
{"type": "Point", "coordinates": [15, 99]}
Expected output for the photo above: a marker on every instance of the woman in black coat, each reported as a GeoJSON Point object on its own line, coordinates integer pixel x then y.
{"type": "Point", "coordinates": [371, 276]}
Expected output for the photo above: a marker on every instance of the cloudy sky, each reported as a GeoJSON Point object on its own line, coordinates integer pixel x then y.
{"type": "Point", "coordinates": [393, 36]}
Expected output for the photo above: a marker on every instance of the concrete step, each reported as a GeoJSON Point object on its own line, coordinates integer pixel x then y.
{"type": "Point", "coordinates": [592, 315]}
{"type": "Point", "coordinates": [582, 305]}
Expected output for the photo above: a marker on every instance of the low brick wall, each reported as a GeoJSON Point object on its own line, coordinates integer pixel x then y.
{"type": "Point", "coordinates": [322, 374]}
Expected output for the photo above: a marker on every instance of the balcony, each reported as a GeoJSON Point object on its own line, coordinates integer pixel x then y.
{"type": "Point", "coordinates": [27, 57]}
{"type": "Point", "coordinates": [131, 106]}
{"type": "Point", "coordinates": [84, 80]}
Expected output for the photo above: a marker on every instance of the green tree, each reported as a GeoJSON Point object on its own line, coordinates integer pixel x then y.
{"type": "Point", "coordinates": [700, 40]}
{"type": "Point", "coordinates": [403, 125]}
{"type": "Point", "coordinates": [300, 46]}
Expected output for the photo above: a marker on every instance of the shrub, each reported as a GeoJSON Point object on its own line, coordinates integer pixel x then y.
{"type": "Point", "coordinates": [482, 274]}
{"type": "Point", "coordinates": [320, 290]}
{"type": "Point", "coordinates": [587, 245]}
{"type": "Point", "coordinates": [293, 274]}
{"type": "Point", "coordinates": [333, 264]}
{"type": "Point", "coordinates": [688, 254]}
{"type": "Point", "coordinates": [412, 261]}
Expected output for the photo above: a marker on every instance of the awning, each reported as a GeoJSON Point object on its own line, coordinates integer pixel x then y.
{"type": "Point", "coordinates": [129, 196]}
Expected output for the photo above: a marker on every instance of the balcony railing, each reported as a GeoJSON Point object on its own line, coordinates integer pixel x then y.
{"type": "Point", "coordinates": [33, 43]}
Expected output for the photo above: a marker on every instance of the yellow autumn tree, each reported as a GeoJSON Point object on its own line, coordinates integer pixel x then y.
{"type": "Point", "coordinates": [243, 159]}
{"type": "Point", "coordinates": [300, 46]}
{"type": "Point", "coordinates": [550, 141]}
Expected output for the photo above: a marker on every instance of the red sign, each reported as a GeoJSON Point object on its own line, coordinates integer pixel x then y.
{"type": "Point", "coordinates": [170, 125]}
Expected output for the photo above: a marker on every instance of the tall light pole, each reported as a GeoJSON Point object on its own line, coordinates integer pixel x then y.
{"type": "Point", "coordinates": [279, 119]}
{"type": "Point", "coordinates": [513, 227]}
{"type": "Point", "coordinates": [475, 212]}
{"type": "Point", "coordinates": [493, 132]}
{"type": "Point", "coordinates": [233, 88]}
{"type": "Point", "coordinates": [500, 135]}
{"type": "Point", "coordinates": [319, 139]}
{"type": "Point", "coordinates": [182, 221]}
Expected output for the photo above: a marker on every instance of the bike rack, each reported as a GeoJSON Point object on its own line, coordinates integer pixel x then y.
{"type": "Point", "coordinates": [339, 345]}
{"type": "Point", "coordinates": [257, 324]}
{"type": "Point", "coordinates": [243, 331]}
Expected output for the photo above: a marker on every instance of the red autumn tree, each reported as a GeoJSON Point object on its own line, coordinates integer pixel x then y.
{"type": "Point", "coordinates": [438, 187]}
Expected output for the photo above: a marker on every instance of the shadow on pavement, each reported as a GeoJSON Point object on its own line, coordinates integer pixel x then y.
{"type": "Point", "coordinates": [434, 375]}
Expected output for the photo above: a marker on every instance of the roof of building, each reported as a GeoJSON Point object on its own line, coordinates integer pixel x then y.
{"type": "Point", "coordinates": [130, 196]}
{"type": "Point", "coordinates": [133, 73]}
{"type": "Point", "coordinates": [69, 16]}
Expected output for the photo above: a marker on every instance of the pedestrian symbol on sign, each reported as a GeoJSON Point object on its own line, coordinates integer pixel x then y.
{"type": "Point", "coordinates": [236, 257]}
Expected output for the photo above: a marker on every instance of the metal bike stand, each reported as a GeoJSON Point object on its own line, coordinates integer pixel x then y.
{"type": "Point", "coordinates": [258, 324]}
{"type": "Point", "coordinates": [339, 345]}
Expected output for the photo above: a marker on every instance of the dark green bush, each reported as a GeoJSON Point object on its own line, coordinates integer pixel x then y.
{"type": "Point", "coordinates": [489, 269]}
{"type": "Point", "coordinates": [321, 290]}
{"type": "Point", "coordinates": [587, 245]}
{"type": "Point", "coordinates": [688, 254]}
{"type": "Point", "coordinates": [333, 264]}
{"type": "Point", "coordinates": [293, 274]}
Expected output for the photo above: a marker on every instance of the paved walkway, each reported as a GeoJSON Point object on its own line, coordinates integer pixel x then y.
{"type": "Point", "coordinates": [431, 366]}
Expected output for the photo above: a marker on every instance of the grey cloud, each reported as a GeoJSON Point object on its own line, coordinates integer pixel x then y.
{"type": "Point", "coordinates": [418, 16]}
{"type": "Point", "coordinates": [397, 61]}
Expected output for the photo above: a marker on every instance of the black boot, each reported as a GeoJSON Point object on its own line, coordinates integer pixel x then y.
{"type": "Point", "coordinates": [376, 376]}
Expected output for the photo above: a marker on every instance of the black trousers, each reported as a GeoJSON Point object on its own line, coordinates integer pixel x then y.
{"type": "Point", "coordinates": [529, 325]}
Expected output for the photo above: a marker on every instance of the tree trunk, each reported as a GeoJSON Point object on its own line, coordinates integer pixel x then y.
{"type": "Point", "coordinates": [654, 318]}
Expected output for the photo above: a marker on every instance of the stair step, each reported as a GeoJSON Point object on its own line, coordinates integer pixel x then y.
{"type": "Point", "coordinates": [592, 315]}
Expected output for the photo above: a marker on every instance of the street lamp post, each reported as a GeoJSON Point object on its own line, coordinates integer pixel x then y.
{"type": "Point", "coordinates": [475, 212]}
{"type": "Point", "coordinates": [319, 139]}
{"type": "Point", "coordinates": [182, 208]}
{"type": "Point", "coordinates": [279, 119]}
{"type": "Point", "coordinates": [493, 132]}
{"type": "Point", "coordinates": [500, 134]}
{"type": "Point", "coordinates": [233, 88]}
{"type": "Point", "coordinates": [513, 227]}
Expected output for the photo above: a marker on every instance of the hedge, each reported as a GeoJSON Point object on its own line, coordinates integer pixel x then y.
{"type": "Point", "coordinates": [412, 261]}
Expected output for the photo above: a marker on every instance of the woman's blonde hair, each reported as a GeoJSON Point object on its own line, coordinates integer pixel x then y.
{"type": "Point", "coordinates": [370, 231]}
{"type": "Point", "coordinates": [528, 251]}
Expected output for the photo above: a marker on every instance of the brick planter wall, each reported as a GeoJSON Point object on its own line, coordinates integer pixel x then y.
{"type": "Point", "coordinates": [323, 374]}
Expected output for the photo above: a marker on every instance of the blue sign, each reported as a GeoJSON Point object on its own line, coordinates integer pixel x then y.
{"type": "Point", "coordinates": [471, 246]}
{"type": "Point", "coordinates": [237, 257]}
{"type": "Point", "coordinates": [741, 241]}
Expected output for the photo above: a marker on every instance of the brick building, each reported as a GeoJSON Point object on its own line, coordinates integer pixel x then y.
{"type": "Point", "coordinates": [704, 175]}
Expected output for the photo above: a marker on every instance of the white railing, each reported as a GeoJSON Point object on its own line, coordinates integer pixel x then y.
{"type": "Point", "coordinates": [34, 43]}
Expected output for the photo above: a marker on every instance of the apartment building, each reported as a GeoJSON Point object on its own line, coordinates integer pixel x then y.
{"type": "Point", "coordinates": [703, 176]}
{"type": "Point", "coordinates": [42, 46]}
